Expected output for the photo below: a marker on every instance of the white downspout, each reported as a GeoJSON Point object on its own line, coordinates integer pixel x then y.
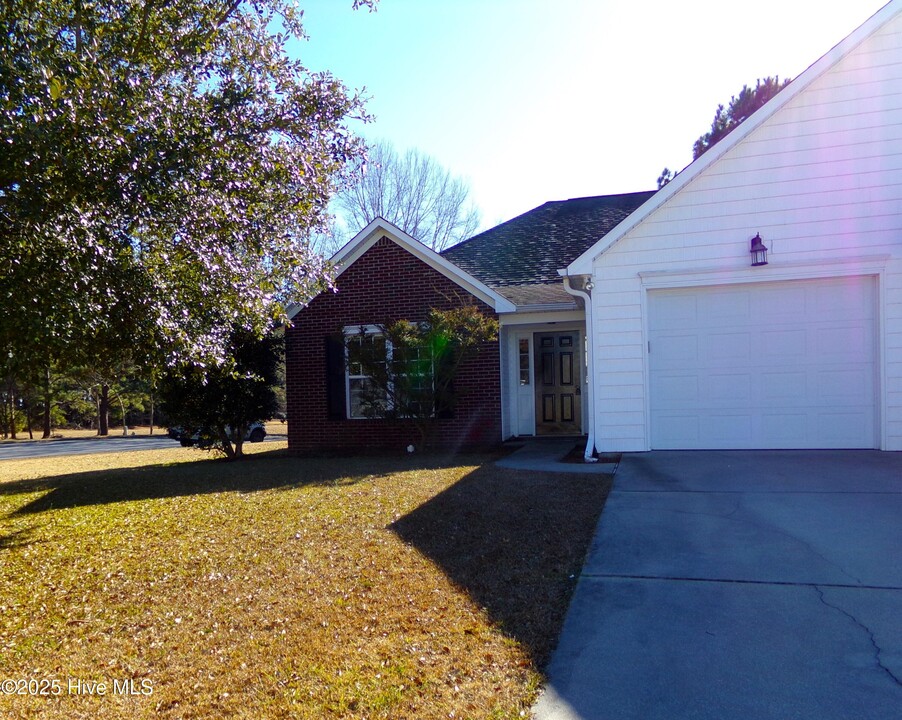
{"type": "Point", "coordinates": [589, 455]}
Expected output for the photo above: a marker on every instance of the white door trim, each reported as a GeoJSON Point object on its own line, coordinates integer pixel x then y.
{"type": "Point", "coordinates": [511, 404]}
{"type": "Point", "coordinates": [774, 271]}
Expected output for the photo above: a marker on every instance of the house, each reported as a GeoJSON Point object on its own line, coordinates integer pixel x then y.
{"type": "Point", "coordinates": [689, 339]}
{"type": "Point", "coordinates": [511, 273]}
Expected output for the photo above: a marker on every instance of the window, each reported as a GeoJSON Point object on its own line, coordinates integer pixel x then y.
{"type": "Point", "coordinates": [414, 379]}
{"type": "Point", "coordinates": [364, 397]}
{"type": "Point", "coordinates": [387, 381]}
{"type": "Point", "coordinates": [524, 361]}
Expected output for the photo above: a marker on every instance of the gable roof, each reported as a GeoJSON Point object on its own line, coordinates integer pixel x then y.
{"type": "Point", "coordinates": [582, 265]}
{"type": "Point", "coordinates": [380, 228]}
{"type": "Point", "coordinates": [530, 248]}
{"type": "Point", "coordinates": [515, 265]}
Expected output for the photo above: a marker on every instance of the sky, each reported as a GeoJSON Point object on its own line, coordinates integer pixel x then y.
{"type": "Point", "coordinates": [537, 100]}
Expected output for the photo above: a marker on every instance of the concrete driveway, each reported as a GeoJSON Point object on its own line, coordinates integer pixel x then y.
{"type": "Point", "coordinates": [739, 585]}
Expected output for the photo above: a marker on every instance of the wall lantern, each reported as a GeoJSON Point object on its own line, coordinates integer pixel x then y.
{"type": "Point", "coordinates": [758, 251]}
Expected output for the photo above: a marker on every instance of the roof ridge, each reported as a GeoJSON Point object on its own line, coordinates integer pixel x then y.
{"type": "Point", "coordinates": [611, 195]}
{"type": "Point", "coordinates": [532, 247]}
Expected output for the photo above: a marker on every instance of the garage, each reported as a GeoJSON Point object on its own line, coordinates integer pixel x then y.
{"type": "Point", "coordinates": [756, 300]}
{"type": "Point", "coordinates": [764, 365]}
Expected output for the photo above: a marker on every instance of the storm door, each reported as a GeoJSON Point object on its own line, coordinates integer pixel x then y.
{"type": "Point", "coordinates": [558, 386]}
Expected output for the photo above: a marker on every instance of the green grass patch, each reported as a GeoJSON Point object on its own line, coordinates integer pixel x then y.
{"type": "Point", "coordinates": [280, 587]}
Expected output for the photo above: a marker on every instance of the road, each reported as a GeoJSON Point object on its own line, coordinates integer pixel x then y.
{"type": "Point", "coordinates": [88, 446]}
{"type": "Point", "coordinates": [56, 448]}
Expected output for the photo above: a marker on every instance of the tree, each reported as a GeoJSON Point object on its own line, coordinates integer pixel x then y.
{"type": "Point", "coordinates": [221, 403]}
{"type": "Point", "coordinates": [740, 108]}
{"type": "Point", "coordinates": [415, 193]}
{"type": "Point", "coordinates": [410, 372]}
{"type": "Point", "coordinates": [327, 240]}
{"type": "Point", "coordinates": [665, 177]}
{"type": "Point", "coordinates": [161, 166]}
{"type": "Point", "coordinates": [728, 119]}
{"type": "Point", "coordinates": [12, 419]}
{"type": "Point", "coordinates": [60, 396]}
{"type": "Point", "coordinates": [111, 385]}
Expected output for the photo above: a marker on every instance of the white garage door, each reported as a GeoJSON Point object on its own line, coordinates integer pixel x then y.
{"type": "Point", "coordinates": [766, 365]}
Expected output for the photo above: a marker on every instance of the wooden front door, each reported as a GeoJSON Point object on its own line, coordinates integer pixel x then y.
{"type": "Point", "coordinates": [558, 387]}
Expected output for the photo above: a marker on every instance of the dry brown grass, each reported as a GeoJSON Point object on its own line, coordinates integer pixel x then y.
{"type": "Point", "coordinates": [279, 587]}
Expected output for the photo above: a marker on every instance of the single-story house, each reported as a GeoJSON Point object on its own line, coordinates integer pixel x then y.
{"type": "Point", "coordinates": [511, 273]}
{"type": "Point", "coordinates": [753, 302]}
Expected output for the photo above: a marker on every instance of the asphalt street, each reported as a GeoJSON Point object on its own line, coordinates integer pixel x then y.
{"type": "Point", "coordinates": [56, 448]}
{"type": "Point", "coordinates": [87, 446]}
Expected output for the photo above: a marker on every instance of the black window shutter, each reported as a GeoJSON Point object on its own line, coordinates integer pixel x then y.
{"type": "Point", "coordinates": [335, 376]}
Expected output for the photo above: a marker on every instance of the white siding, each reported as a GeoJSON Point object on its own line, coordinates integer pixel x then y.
{"type": "Point", "coordinates": [820, 180]}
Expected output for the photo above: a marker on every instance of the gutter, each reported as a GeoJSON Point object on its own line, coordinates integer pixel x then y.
{"type": "Point", "coordinates": [589, 454]}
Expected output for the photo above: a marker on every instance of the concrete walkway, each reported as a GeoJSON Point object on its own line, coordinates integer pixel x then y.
{"type": "Point", "coordinates": [763, 585]}
{"type": "Point", "coordinates": [547, 453]}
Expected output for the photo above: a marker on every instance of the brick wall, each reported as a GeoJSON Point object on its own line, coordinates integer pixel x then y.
{"type": "Point", "coordinates": [384, 285]}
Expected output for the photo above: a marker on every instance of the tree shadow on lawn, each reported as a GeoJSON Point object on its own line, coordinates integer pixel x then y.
{"type": "Point", "coordinates": [18, 538]}
{"type": "Point", "coordinates": [266, 470]}
{"type": "Point", "coordinates": [515, 541]}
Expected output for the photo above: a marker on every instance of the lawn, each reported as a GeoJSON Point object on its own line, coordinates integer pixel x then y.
{"type": "Point", "coordinates": [277, 587]}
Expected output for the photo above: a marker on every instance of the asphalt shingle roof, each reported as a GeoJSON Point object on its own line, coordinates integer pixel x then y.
{"type": "Point", "coordinates": [538, 294]}
{"type": "Point", "coordinates": [521, 257]}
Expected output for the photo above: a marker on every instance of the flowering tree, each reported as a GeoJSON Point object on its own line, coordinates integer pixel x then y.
{"type": "Point", "coordinates": [160, 165]}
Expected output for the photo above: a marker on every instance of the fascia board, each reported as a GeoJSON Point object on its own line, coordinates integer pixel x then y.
{"type": "Point", "coordinates": [380, 227]}
{"type": "Point", "coordinates": [555, 318]}
{"type": "Point", "coordinates": [583, 265]}
{"type": "Point", "coordinates": [546, 307]}
{"type": "Point", "coordinates": [360, 243]}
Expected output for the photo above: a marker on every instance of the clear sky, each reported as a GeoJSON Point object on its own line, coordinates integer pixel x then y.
{"type": "Point", "coordinates": [536, 100]}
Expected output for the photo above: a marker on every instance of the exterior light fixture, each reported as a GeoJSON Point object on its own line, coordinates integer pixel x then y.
{"type": "Point", "coordinates": [590, 286]}
{"type": "Point", "coordinates": [758, 251]}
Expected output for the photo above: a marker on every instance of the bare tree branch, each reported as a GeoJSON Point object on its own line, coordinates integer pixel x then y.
{"type": "Point", "coordinates": [415, 193]}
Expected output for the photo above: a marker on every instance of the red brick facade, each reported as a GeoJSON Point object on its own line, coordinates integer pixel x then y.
{"type": "Point", "coordinates": [384, 285]}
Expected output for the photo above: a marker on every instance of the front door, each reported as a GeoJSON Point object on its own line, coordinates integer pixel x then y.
{"type": "Point", "coordinates": [557, 384]}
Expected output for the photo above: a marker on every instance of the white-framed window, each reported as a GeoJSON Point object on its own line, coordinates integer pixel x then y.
{"type": "Point", "coordinates": [416, 369]}
{"type": "Point", "coordinates": [361, 341]}
{"type": "Point", "coordinates": [524, 357]}
{"type": "Point", "coordinates": [415, 366]}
